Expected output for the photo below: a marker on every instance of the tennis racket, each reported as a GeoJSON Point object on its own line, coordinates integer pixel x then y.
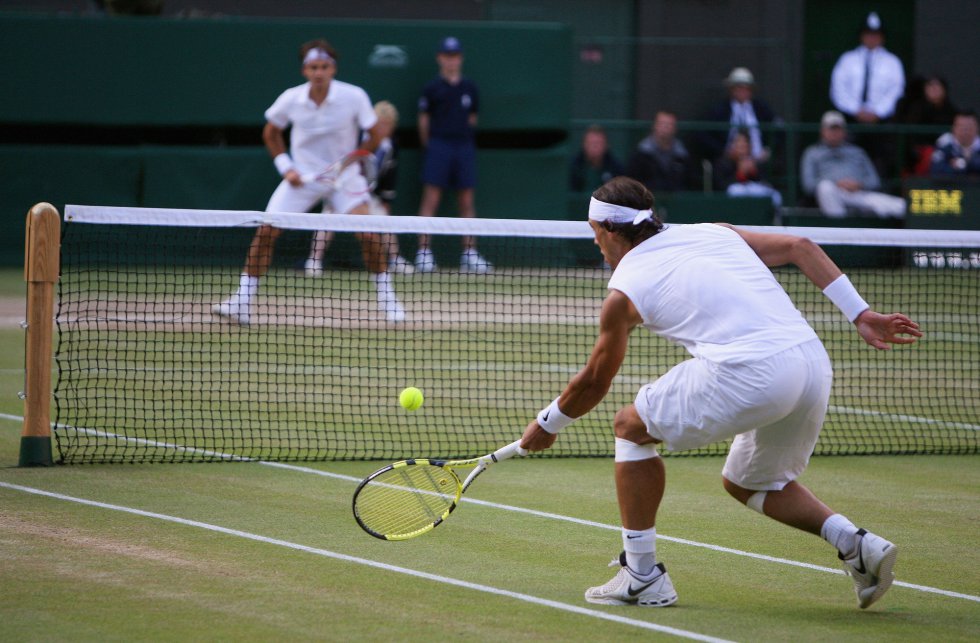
{"type": "Point", "coordinates": [355, 174]}
{"type": "Point", "coordinates": [412, 497]}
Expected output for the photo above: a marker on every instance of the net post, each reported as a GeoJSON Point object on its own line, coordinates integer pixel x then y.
{"type": "Point", "coordinates": [41, 267]}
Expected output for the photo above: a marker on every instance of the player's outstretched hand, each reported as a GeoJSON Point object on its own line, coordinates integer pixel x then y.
{"type": "Point", "coordinates": [881, 331]}
{"type": "Point", "coordinates": [537, 439]}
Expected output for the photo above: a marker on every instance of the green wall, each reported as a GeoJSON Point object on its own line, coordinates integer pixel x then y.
{"type": "Point", "coordinates": [76, 79]}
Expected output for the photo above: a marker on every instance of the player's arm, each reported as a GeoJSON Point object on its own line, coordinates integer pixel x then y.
{"type": "Point", "coordinates": [876, 329]}
{"type": "Point", "coordinates": [372, 139]}
{"type": "Point", "coordinates": [587, 388]}
{"type": "Point", "coordinates": [423, 124]}
{"type": "Point", "coordinates": [275, 142]}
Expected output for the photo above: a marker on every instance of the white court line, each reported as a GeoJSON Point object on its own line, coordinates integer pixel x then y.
{"type": "Point", "coordinates": [527, 598]}
{"type": "Point", "coordinates": [532, 512]}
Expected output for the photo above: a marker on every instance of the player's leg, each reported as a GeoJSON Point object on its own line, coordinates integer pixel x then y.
{"type": "Point", "coordinates": [286, 198]}
{"type": "Point", "coordinates": [640, 481]}
{"type": "Point", "coordinates": [318, 247]}
{"type": "Point", "coordinates": [396, 263]}
{"type": "Point", "coordinates": [763, 465]}
{"type": "Point", "coordinates": [375, 254]}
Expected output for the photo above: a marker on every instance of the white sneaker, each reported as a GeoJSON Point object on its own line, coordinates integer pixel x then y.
{"type": "Point", "coordinates": [313, 268]}
{"type": "Point", "coordinates": [871, 567]}
{"type": "Point", "coordinates": [425, 261]}
{"type": "Point", "coordinates": [391, 308]}
{"type": "Point", "coordinates": [628, 589]}
{"type": "Point", "coordinates": [472, 261]}
{"type": "Point", "coordinates": [402, 266]}
{"type": "Point", "coordinates": [232, 310]}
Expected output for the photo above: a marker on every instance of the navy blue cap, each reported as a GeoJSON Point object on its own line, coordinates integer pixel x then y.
{"type": "Point", "coordinates": [450, 45]}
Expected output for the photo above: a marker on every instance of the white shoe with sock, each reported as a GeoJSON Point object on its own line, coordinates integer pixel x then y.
{"type": "Point", "coordinates": [473, 262]}
{"type": "Point", "coordinates": [626, 588]}
{"type": "Point", "coordinates": [313, 268]}
{"type": "Point", "coordinates": [870, 565]}
{"type": "Point", "coordinates": [401, 266]}
{"type": "Point", "coordinates": [234, 310]}
{"type": "Point", "coordinates": [425, 261]}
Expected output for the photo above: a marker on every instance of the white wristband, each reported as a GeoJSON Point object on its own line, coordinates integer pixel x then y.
{"type": "Point", "coordinates": [846, 297]}
{"type": "Point", "coordinates": [552, 419]}
{"type": "Point", "coordinates": [283, 163]}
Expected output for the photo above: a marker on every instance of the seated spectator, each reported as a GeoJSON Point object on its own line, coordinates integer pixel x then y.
{"type": "Point", "coordinates": [594, 164]}
{"type": "Point", "coordinates": [926, 102]}
{"type": "Point", "coordinates": [958, 151]}
{"type": "Point", "coordinates": [743, 112]}
{"type": "Point", "coordinates": [661, 162]}
{"type": "Point", "coordinates": [738, 173]}
{"type": "Point", "coordinates": [840, 175]}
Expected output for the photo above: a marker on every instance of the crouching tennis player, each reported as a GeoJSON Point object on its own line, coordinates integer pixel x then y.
{"type": "Point", "coordinates": [758, 374]}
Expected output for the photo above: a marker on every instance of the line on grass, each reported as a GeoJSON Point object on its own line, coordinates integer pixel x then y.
{"type": "Point", "coordinates": [524, 510]}
{"type": "Point", "coordinates": [527, 598]}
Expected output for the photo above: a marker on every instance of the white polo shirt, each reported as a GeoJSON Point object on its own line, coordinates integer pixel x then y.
{"type": "Point", "coordinates": [704, 288]}
{"type": "Point", "coordinates": [322, 134]}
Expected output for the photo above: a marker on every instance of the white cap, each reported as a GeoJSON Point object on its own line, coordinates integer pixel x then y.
{"type": "Point", "coordinates": [833, 118]}
{"type": "Point", "coordinates": [740, 76]}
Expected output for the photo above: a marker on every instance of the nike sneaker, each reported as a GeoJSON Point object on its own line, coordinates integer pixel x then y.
{"type": "Point", "coordinates": [626, 588]}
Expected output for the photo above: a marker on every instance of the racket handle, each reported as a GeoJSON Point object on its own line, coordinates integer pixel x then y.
{"type": "Point", "coordinates": [509, 451]}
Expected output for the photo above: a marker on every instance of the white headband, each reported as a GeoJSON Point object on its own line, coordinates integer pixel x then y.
{"type": "Point", "coordinates": [602, 211]}
{"type": "Point", "coordinates": [316, 54]}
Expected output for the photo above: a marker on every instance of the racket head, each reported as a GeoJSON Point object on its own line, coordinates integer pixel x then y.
{"type": "Point", "coordinates": [406, 499]}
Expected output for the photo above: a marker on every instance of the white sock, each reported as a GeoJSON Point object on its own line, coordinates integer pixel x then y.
{"type": "Point", "coordinates": [641, 549]}
{"type": "Point", "coordinates": [383, 283]}
{"type": "Point", "coordinates": [839, 532]}
{"type": "Point", "coordinates": [247, 288]}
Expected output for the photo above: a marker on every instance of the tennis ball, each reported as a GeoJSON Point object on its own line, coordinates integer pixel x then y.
{"type": "Point", "coordinates": [411, 398]}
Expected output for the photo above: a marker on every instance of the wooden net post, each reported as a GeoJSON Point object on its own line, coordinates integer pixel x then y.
{"type": "Point", "coordinates": [41, 266]}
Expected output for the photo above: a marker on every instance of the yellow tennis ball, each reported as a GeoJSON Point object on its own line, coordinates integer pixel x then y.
{"type": "Point", "coordinates": [411, 398]}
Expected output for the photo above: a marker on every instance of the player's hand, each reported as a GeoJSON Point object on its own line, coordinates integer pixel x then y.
{"type": "Point", "coordinates": [537, 439]}
{"type": "Point", "coordinates": [882, 330]}
{"type": "Point", "coordinates": [294, 178]}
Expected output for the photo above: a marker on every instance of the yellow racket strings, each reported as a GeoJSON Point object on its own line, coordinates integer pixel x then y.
{"type": "Point", "coordinates": [405, 499]}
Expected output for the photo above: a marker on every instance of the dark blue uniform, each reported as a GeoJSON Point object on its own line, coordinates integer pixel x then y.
{"type": "Point", "coordinates": [450, 160]}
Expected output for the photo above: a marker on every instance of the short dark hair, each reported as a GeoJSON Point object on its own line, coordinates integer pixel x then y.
{"type": "Point", "coordinates": [319, 43]}
{"type": "Point", "coordinates": [630, 193]}
{"type": "Point", "coordinates": [965, 113]}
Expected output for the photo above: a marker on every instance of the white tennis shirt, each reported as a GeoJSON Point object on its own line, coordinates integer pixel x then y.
{"type": "Point", "coordinates": [322, 134]}
{"type": "Point", "coordinates": [704, 288]}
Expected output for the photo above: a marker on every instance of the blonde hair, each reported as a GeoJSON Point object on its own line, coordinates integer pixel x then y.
{"type": "Point", "coordinates": [385, 110]}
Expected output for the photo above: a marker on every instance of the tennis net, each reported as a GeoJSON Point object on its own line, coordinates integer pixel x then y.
{"type": "Point", "coordinates": [146, 371]}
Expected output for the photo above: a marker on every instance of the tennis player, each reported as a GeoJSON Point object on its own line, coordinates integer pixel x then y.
{"type": "Point", "coordinates": [759, 374]}
{"type": "Point", "coordinates": [326, 117]}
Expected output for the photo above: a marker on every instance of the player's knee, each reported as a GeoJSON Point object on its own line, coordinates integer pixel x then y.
{"type": "Point", "coordinates": [739, 493]}
{"type": "Point", "coordinates": [627, 425]}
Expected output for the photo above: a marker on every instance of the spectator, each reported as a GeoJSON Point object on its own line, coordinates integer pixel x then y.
{"type": "Point", "coordinates": [594, 164]}
{"type": "Point", "coordinates": [958, 151]}
{"type": "Point", "coordinates": [448, 112]}
{"type": "Point", "coordinates": [841, 175]}
{"type": "Point", "coordinates": [738, 173]}
{"type": "Point", "coordinates": [661, 162]}
{"type": "Point", "coordinates": [743, 112]}
{"type": "Point", "coordinates": [866, 84]}
{"type": "Point", "coordinates": [926, 102]}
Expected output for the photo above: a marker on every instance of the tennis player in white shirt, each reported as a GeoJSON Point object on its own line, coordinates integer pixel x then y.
{"type": "Point", "coordinates": [759, 374]}
{"type": "Point", "coordinates": [326, 117]}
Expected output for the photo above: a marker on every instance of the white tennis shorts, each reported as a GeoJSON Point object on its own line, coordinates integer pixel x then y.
{"type": "Point", "coordinates": [288, 198]}
{"type": "Point", "coordinates": [773, 407]}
